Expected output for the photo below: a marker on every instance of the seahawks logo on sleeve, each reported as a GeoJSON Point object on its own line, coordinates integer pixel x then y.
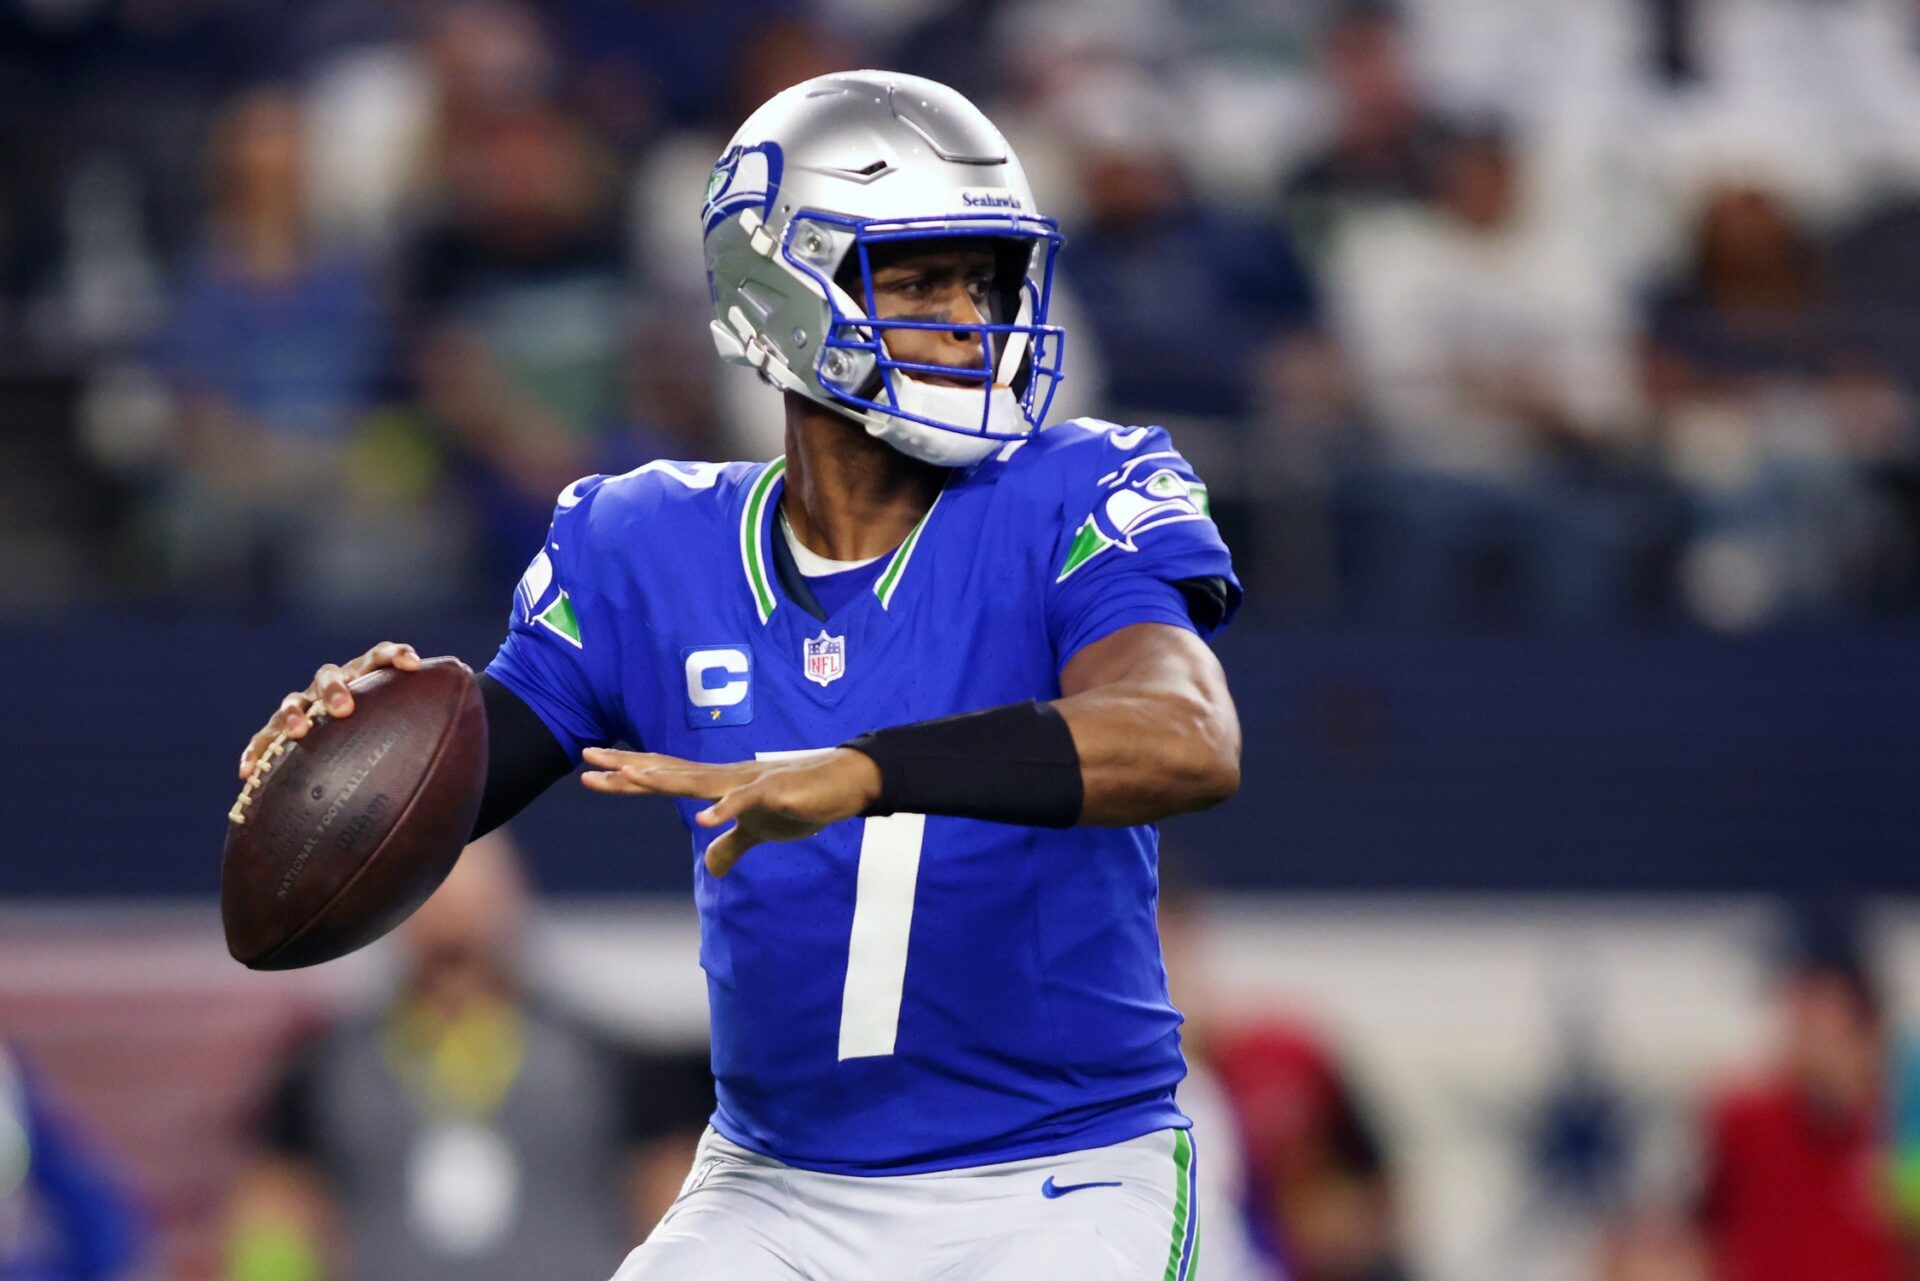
{"type": "Point", "coordinates": [1145, 494]}
{"type": "Point", "coordinates": [541, 605]}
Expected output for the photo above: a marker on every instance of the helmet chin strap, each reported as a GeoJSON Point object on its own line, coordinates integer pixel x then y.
{"type": "Point", "coordinates": [944, 403]}
{"type": "Point", "coordinates": [1000, 419]}
{"type": "Point", "coordinates": [944, 446]}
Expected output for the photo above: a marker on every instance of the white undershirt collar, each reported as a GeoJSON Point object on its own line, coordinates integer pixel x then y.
{"type": "Point", "coordinates": [812, 564]}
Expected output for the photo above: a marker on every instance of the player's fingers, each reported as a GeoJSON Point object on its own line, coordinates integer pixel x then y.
{"type": "Point", "coordinates": [727, 848]}
{"type": "Point", "coordinates": [654, 773]}
{"type": "Point", "coordinates": [701, 782]}
{"type": "Point", "coordinates": [732, 805]}
{"type": "Point", "coordinates": [719, 858]}
{"type": "Point", "coordinates": [330, 689]}
{"type": "Point", "coordinates": [621, 773]}
{"type": "Point", "coordinates": [673, 774]}
{"type": "Point", "coordinates": [292, 717]}
{"type": "Point", "coordinates": [613, 758]}
{"type": "Point", "coordinates": [391, 654]}
{"type": "Point", "coordinates": [632, 780]}
{"type": "Point", "coordinates": [256, 745]}
{"type": "Point", "coordinates": [613, 783]}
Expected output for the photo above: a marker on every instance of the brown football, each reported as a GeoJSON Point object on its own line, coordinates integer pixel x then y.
{"type": "Point", "coordinates": [340, 835]}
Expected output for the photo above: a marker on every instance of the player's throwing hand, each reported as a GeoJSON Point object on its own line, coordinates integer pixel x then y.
{"type": "Point", "coordinates": [327, 689]}
{"type": "Point", "coordinates": [776, 800]}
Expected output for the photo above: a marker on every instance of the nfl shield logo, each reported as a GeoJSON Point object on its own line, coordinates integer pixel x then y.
{"type": "Point", "coordinates": [825, 658]}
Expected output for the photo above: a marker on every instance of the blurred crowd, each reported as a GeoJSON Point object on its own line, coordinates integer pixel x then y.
{"type": "Point", "coordinates": [1489, 312]}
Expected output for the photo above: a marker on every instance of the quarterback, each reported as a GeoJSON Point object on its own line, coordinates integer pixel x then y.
{"type": "Point", "coordinates": [920, 690]}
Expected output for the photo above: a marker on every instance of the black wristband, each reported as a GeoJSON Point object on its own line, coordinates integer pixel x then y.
{"type": "Point", "coordinates": [1012, 764]}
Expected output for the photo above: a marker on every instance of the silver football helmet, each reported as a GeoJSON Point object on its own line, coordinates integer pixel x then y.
{"type": "Point", "coordinates": [810, 184]}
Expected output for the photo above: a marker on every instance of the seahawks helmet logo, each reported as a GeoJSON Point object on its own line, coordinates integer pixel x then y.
{"type": "Point", "coordinates": [743, 178]}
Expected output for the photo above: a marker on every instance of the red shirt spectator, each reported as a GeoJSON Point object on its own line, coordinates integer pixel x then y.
{"type": "Point", "coordinates": [1799, 1168]}
{"type": "Point", "coordinates": [1796, 1192]}
{"type": "Point", "coordinates": [1315, 1159]}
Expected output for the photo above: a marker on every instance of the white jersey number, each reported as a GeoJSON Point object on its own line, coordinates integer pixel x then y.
{"type": "Point", "coordinates": [882, 920]}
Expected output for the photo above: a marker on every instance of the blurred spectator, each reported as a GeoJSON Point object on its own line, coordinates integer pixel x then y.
{"type": "Point", "coordinates": [267, 331]}
{"type": "Point", "coordinates": [520, 304]}
{"type": "Point", "coordinates": [1877, 279]}
{"type": "Point", "coordinates": [1797, 1162]}
{"type": "Point", "coordinates": [777, 55]}
{"type": "Point", "coordinates": [1488, 338]}
{"type": "Point", "coordinates": [1652, 1247]}
{"type": "Point", "coordinates": [944, 42]}
{"type": "Point", "coordinates": [105, 106]}
{"type": "Point", "coordinates": [1906, 1147]}
{"type": "Point", "coordinates": [282, 487]}
{"type": "Point", "coordinates": [493, 60]}
{"type": "Point", "coordinates": [1312, 428]}
{"type": "Point", "coordinates": [1233, 1251]}
{"type": "Point", "coordinates": [687, 64]}
{"type": "Point", "coordinates": [1318, 1164]}
{"type": "Point", "coordinates": [470, 1129]}
{"type": "Point", "coordinates": [672, 368]}
{"type": "Point", "coordinates": [1386, 142]}
{"type": "Point", "coordinates": [62, 1216]}
{"type": "Point", "coordinates": [1765, 401]}
{"type": "Point", "coordinates": [372, 99]}
{"type": "Point", "coordinates": [1181, 298]}
{"type": "Point", "coordinates": [1491, 346]}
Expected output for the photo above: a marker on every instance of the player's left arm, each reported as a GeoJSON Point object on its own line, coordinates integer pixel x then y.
{"type": "Point", "coordinates": [1144, 729]}
{"type": "Point", "coordinates": [1152, 723]}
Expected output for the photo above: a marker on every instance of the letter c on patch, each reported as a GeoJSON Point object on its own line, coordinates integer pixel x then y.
{"type": "Point", "coordinates": [719, 685]}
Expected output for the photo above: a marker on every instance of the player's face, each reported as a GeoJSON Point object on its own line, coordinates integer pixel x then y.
{"type": "Point", "coordinates": [938, 284]}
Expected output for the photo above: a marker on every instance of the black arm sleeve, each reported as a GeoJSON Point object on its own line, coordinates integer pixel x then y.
{"type": "Point", "coordinates": [1206, 601]}
{"type": "Point", "coordinates": [523, 757]}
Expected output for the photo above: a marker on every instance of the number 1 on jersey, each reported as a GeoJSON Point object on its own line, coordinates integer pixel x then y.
{"type": "Point", "coordinates": [882, 921]}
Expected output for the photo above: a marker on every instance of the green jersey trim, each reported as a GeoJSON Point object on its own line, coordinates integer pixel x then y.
{"type": "Point", "coordinates": [889, 580]}
{"type": "Point", "coordinates": [752, 559]}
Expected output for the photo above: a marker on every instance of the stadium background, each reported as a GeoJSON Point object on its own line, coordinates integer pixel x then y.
{"type": "Point", "coordinates": [1555, 367]}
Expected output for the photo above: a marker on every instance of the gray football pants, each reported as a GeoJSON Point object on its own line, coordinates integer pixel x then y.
{"type": "Point", "coordinates": [1122, 1213]}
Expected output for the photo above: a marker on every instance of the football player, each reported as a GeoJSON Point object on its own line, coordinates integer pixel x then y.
{"type": "Point", "coordinates": [920, 690]}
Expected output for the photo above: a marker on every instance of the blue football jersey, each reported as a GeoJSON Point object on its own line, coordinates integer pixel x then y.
{"type": "Point", "coordinates": [904, 993]}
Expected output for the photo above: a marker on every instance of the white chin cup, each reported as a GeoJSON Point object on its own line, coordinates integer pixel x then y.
{"type": "Point", "coordinates": [948, 446]}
